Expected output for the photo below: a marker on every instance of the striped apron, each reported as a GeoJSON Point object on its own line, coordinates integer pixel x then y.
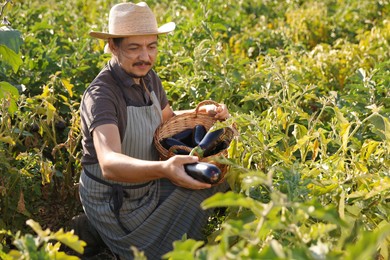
{"type": "Point", "coordinates": [149, 216]}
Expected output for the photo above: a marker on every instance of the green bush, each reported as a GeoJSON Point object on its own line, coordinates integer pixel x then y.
{"type": "Point", "coordinates": [306, 83]}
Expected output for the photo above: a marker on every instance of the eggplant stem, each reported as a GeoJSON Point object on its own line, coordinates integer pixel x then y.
{"type": "Point", "coordinates": [197, 151]}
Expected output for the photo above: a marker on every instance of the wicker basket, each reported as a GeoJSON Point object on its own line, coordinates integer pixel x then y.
{"type": "Point", "coordinates": [184, 121]}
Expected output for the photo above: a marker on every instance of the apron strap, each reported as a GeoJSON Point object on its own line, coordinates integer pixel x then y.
{"type": "Point", "coordinates": [116, 198]}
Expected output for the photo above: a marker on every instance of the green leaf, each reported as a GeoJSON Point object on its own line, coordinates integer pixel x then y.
{"type": "Point", "coordinates": [70, 240]}
{"type": "Point", "coordinates": [299, 132]}
{"type": "Point", "coordinates": [382, 126]}
{"type": "Point", "coordinates": [340, 117]}
{"type": "Point", "coordinates": [228, 199]}
{"type": "Point", "coordinates": [379, 187]}
{"type": "Point", "coordinates": [367, 243]}
{"type": "Point", "coordinates": [184, 249]}
{"type": "Point", "coordinates": [10, 38]}
{"type": "Point", "coordinates": [387, 129]}
{"type": "Point", "coordinates": [10, 57]}
{"type": "Point", "coordinates": [9, 93]}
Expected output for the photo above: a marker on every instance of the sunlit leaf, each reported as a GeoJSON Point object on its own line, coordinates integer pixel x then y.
{"type": "Point", "coordinates": [340, 117]}
{"type": "Point", "coordinates": [344, 133]}
{"type": "Point", "coordinates": [68, 86]}
{"type": "Point", "coordinates": [9, 93]}
{"type": "Point", "coordinates": [70, 240]}
{"type": "Point", "coordinates": [50, 111]}
{"type": "Point", "coordinates": [10, 57]}
{"type": "Point", "coordinates": [300, 131]}
{"type": "Point", "coordinates": [368, 148]}
{"type": "Point", "coordinates": [184, 249]}
{"type": "Point", "coordinates": [378, 188]}
{"type": "Point", "coordinates": [37, 228]}
{"type": "Point", "coordinates": [7, 139]}
{"type": "Point", "coordinates": [228, 199]}
{"type": "Point", "coordinates": [315, 149]}
{"type": "Point", "coordinates": [361, 167]}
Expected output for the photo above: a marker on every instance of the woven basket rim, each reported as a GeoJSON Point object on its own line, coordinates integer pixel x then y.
{"type": "Point", "coordinates": [184, 121]}
{"type": "Point", "coordinates": [181, 122]}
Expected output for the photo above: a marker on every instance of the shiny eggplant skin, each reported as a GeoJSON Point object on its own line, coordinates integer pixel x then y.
{"type": "Point", "coordinates": [210, 140]}
{"type": "Point", "coordinates": [199, 131]}
{"type": "Point", "coordinates": [184, 136]}
{"type": "Point", "coordinates": [169, 142]}
{"type": "Point", "coordinates": [204, 172]}
{"type": "Point", "coordinates": [220, 146]}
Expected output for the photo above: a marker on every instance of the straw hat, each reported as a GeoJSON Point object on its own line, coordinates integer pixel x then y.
{"type": "Point", "coordinates": [128, 19]}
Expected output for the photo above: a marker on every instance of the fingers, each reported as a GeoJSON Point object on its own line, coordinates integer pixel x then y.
{"type": "Point", "coordinates": [222, 112]}
{"type": "Point", "coordinates": [180, 178]}
{"type": "Point", "coordinates": [191, 183]}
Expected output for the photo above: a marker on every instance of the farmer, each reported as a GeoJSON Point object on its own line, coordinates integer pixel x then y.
{"type": "Point", "coordinates": [128, 195]}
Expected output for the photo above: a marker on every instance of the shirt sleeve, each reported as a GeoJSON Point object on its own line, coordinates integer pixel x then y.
{"type": "Point", "coordinates": [98, 108]}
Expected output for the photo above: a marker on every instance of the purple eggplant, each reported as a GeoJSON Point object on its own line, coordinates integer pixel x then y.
{"type": "Point", "coordinates": [208, 142]}
{"type": "Point", "coordinates": [169, 142]}
{"type": "Point", "coordinates": [185, 136]}
{"type": "Point", "coordinates": [199, 131]}
{"type": "Point", "coordinates": [220, 146]}
{"type": "Point", "coordinates": [205, 172]}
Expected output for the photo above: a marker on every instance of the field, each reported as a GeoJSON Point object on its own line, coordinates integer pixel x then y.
{"type": "Point", "coordinates": [307, 84]}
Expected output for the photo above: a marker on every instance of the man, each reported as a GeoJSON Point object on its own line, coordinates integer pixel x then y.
{"type": "Point", "coordinates": [129, 196]}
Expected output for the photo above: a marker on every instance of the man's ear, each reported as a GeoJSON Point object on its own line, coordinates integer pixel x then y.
{"type": "Point", "coordinates": [112, 47]}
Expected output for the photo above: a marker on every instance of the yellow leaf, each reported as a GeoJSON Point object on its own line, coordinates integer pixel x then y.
{"type": "Point", "coordinates": [361, 167]}
{"type": "Point", "coordinates": [315, 149]}
{"type": "Point", "coordinates": [344, 133]}
{"type": "Point", "coordinates": [70, 239]}
{"type": "Point", "coordinates": [37, 228]}
{"type": "Point", "coordinates": [342, 205]}
{"type": "Point", "coordinates": [68, 86]}
{"type": "Point", "coordinates": [7, 139]}
{"type": "Point", "coordinates": [368, 148]}
{"type": "Point", "coordinates": [45, 92]}
{"type": "Point", "coordinates": [46, 172]}
{"type": "Point", "coordinates": [378, 187]}
{"type": "Point", "coordinates": [50, 111]}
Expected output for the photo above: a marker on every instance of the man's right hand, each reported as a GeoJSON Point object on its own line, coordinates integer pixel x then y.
{"type": "Point", "coordinates": [174, 170]}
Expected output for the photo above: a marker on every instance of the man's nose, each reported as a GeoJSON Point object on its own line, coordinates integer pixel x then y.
{"type": "Point", "coordinates": [144, 54]}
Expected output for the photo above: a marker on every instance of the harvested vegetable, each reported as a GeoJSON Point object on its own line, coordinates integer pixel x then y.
{"type": "Point", "coordinates": [208, 142]}
{"type": "Point", "coordinates": [184, 136]}
{"type": "Point", "coordinates": [199, 131]}
{"type": "Point", "coordinates": [169, 142]}
{"type": "Point", "coordinates": [205, 172]}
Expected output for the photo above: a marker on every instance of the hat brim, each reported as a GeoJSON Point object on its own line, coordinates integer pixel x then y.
{"type": "Point", "coordinates": [166, 28]}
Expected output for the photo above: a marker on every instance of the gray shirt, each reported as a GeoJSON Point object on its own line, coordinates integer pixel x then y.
{"type": "Point", "coordinates": [105, 101]}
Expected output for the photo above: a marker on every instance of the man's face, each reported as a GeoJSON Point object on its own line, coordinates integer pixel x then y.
{"type": "Point", "coordinates": [137, 54]}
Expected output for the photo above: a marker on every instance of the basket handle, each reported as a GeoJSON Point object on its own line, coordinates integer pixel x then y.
{"type": "Point", "coordinates": [205, 102]}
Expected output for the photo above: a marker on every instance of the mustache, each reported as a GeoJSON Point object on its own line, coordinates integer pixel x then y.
{"type": "Point", "coordinates": [140, 63]}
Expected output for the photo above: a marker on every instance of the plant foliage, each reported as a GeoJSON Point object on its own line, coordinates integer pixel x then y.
{"type": "Point", "coordinates": [307, 84]}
